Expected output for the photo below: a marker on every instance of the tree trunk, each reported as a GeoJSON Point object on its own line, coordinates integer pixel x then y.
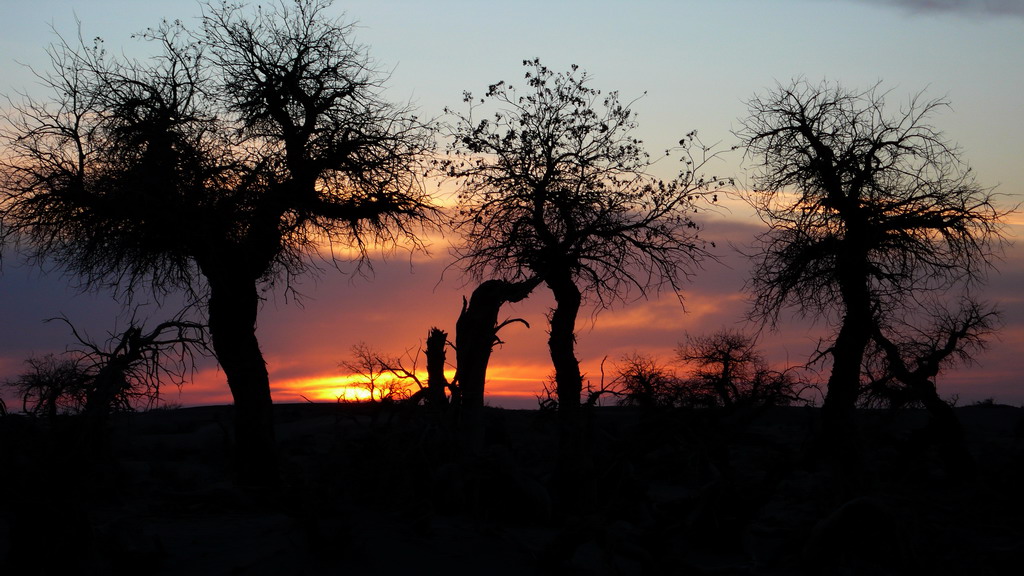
{"type": "Point", "coordinates": [573, 480]}
{"type": "Point", "coordinates": [839, 442]}
{"type": "Point", "coordinates": [99, 403]}
{"type": "Point", "coordinates": [843, 389]}
{"type": "Point", "coordinates": [475, 336]}
{"type": "Point", "coordinates": [233, 306]}
{"type": "Point", "coordinates": [946, 431]}
{"type": "Point", "coordinates": [437, 339]}
{"type": "Point", "coordinates": [562, 346]}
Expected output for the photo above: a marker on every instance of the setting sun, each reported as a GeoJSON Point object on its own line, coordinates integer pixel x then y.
{"type": "Point", "coordinates": [337, 388]}
{"type": "Point", "coordinates": [344, 388]}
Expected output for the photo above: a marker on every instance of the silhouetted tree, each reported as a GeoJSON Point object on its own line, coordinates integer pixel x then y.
{"type": "Point", "coordinates": [728, 369]}
{"type": "Point", "coordinates": [722, 362]}
{"type": "Point", "coordinates": [476, 334]}
{"type": "Point", "coordinates": [909, 358]}
{"type": "Point", "coordinates": [223, 163]}
{"type": "Point", "coordinates": [52, 385]}
{"type": "Point", "coordinates": [437, 383]}
{"type": "Point", "coordinates": [907, 353]}
{"type": "Point", "coordinates": [645, 383]}
{"type": "Point", "coordinates": [131, 369]}
{"type": "Point", "coordinates": [866, 210]}
{"type": "Point", "coordinates": [124, 374]}
{"type": "Point", "coordinates": [384, 378]}
{"type": "Point", "coordinates": [554, 186]}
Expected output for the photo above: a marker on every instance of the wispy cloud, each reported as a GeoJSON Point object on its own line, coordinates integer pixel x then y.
{"type": "Point", "coordinates": [991, 8]}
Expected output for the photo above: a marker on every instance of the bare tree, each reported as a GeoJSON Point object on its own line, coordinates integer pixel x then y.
{"type": "Point", "coordinates": [867, 209]}
{"type": "Point", "coordinates": [53, 384]}
{"type": "Point", "coordinates": [385, 378]}
{"type": "Point", "coordinates": [476, 334]}
{"type": "Point", "coordinates": [646, 383]}
{"type": "Point", "coordinates": [722, 362]}
{"type": "Point", "coordinates": [727, 367]}
{"type": "Point", "coordinates": [125, 373]}
{"type": "Point", "coordinates": [906, 354]}
{"type": "Point", "coordinates": [554, 186]}
{"type": "Point", "coordinates": [224, 163]}
{"type": "Point", "coordinates": [437, 383]}
{"type": "Point", "coordinates": [907, 359]}
{"type": "Point", "coordinates": [130, 370]}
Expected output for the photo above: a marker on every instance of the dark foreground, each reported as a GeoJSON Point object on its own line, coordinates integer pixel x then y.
{"type": "Point", "coordinates": [379, 491]}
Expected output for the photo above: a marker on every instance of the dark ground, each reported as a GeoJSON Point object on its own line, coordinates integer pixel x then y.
{"type": "Point", "coordinates": [371, 490]}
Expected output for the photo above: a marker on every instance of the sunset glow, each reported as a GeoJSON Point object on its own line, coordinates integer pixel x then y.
{"type": "Point", "coordinates": [397, 295]}
{"type": "Point", "coordinates": [476, 287]}
{"type": "Point", "coordinates": [326, 388]}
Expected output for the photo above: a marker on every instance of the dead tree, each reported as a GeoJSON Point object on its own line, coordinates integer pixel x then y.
{"type": "Point", "coordinates": [437, 383]}
{"type": "Point", "coordinates": [137, 365]}
{"type": "Point", "coordinates": [126, 373]}
{"type": "Point", "coordinates": [476, 333]}
{"type": "Point", "coordinates": [915, 362]}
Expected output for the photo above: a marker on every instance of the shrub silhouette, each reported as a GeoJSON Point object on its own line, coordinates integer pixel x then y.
{"type": "Point", "coordinates": [52, 385]}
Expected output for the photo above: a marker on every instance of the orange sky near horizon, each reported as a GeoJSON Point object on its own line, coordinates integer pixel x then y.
{"type": "Point", "coordinates": [689, 64]}
{"type": "Point", "coordinates": [392, 308]}
{"type": "Point", "coordinates": [304, 344]}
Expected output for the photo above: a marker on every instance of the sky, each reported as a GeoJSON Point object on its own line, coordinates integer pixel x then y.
{"type": "Point", "coordinates": [690, 65]}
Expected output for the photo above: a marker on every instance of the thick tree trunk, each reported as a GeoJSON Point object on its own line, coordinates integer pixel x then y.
{"type": "Point", "coordinates": [437, 339]}
{"type": "Point", "coordinates": [946, 425]}
{"type": "Point", "coordinates": [562, 346]}
{"type": "Point", "coordinates": [233, 306]}
{"type": "Point", "coordinates": [946, 431]}
{"type": "Point", "coordinates": [475, 336]}
{"type": "Point", "coordinates": [839, 442]}
{"type": "Point", "coordinates": [573, 479]}
{"type": "Point", "coordinates": [839, 409]}
{"type": "Point", "coordinates": [99, 404]}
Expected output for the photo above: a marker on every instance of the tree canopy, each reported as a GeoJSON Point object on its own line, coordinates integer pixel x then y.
{"type": "Point", "coordinates": [551, 177]}
{"type": "Point", "coordinates": [237, 154]}
{"type": "Point", "coordinates": [871, 213]}
{"type": "Point", "coordinates": [553, 185]}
